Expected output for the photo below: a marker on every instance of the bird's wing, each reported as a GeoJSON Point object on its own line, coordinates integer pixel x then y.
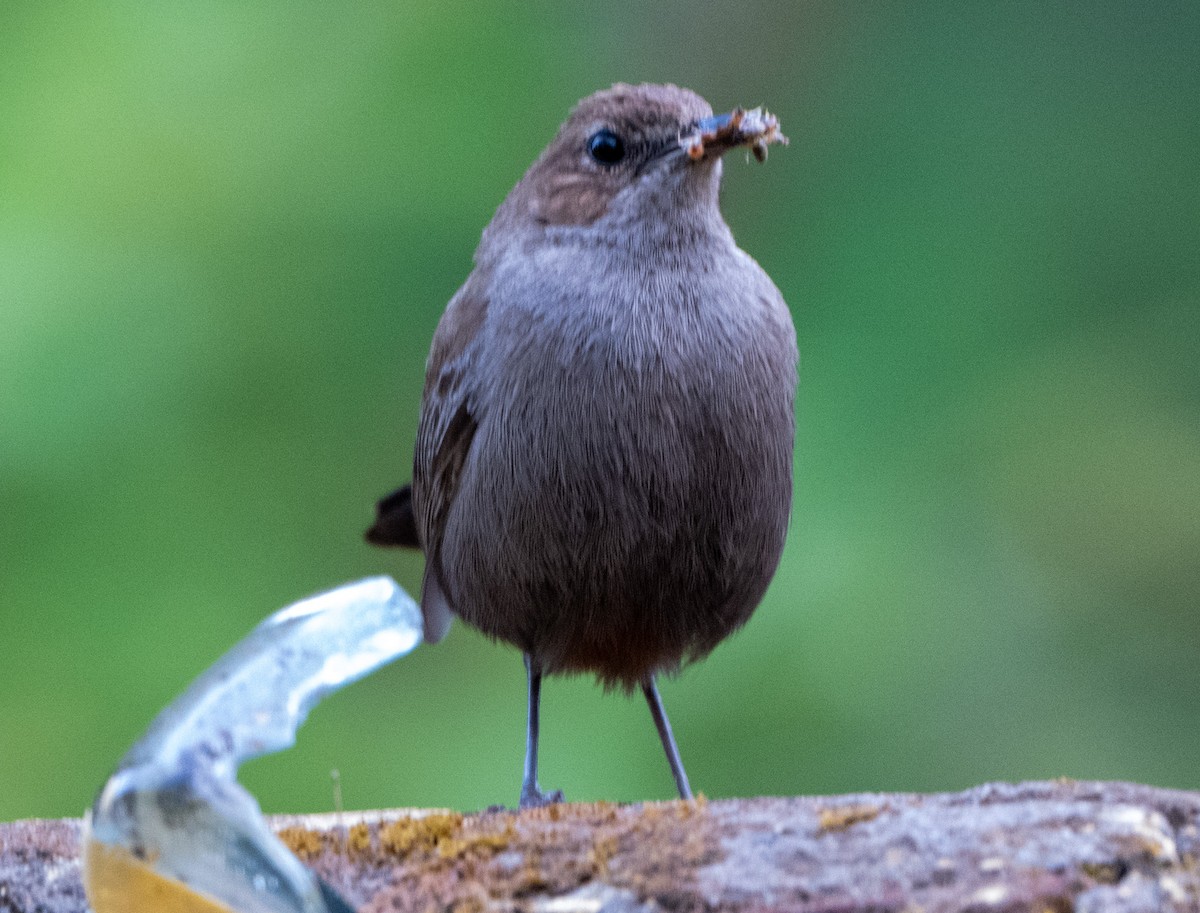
{"type": "Point", "coordinates": [450, 415]}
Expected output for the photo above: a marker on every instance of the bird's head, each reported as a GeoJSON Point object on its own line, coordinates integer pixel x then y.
{"type": "Point", "coordinates": [629, 153]}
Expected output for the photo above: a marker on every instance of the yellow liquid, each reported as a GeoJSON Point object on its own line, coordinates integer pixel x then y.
{"type": "Point", "coordinates": [118, 882]}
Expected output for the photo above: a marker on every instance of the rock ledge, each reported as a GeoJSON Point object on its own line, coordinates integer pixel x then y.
{"type": "Point", "coordinates": [1057, 847]}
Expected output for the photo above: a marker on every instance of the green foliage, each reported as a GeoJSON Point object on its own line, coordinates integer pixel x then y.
{"type": "Point", "coordinates": [227, 232]}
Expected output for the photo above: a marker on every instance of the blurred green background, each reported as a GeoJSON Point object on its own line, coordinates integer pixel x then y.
{"type": "Point", "coordinates": [227, 232]}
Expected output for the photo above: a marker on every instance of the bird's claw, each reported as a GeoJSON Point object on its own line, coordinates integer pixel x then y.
{"type": "Point", "coordinates": [533, 797]}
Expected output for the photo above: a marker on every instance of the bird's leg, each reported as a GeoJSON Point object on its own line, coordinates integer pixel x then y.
{"type": "Point", "coordinates": [650, 689]}
{"type": "Point", "coordinates": [531, 794]}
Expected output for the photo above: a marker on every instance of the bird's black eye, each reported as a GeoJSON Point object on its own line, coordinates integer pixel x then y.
{"type": "Point", "coordinates": [606, 147]}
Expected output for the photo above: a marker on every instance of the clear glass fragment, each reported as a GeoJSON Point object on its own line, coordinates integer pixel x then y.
{"type": "Point", "coordinates": [172, 829]}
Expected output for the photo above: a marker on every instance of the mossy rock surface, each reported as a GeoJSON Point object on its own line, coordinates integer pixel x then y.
{"type": "Point", "coordinates": [1047, 847]}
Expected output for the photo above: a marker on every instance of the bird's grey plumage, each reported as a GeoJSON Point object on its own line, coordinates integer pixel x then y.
{"type": "Point", "coordinates": [604, 457]}
{"type": "Point", "coordinates": [603, 463]}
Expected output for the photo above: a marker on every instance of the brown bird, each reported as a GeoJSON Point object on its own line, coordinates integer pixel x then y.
{"type": "Point", "coordinates": [603, 471]}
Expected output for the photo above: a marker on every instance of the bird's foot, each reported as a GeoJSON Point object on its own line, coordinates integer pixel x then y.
{"type": "Point", "coordinates": [533, 797]}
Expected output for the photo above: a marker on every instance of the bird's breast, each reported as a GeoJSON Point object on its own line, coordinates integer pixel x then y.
{"type": "Point", "coordinates": [631, 472]}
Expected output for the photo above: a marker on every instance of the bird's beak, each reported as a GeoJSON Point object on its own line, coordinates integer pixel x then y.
{"type": "Point", "coordinates": [713, 136]}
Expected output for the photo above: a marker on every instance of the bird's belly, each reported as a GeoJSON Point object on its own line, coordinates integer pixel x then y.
{"type": "Point", "coordinates": [622, 531]}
